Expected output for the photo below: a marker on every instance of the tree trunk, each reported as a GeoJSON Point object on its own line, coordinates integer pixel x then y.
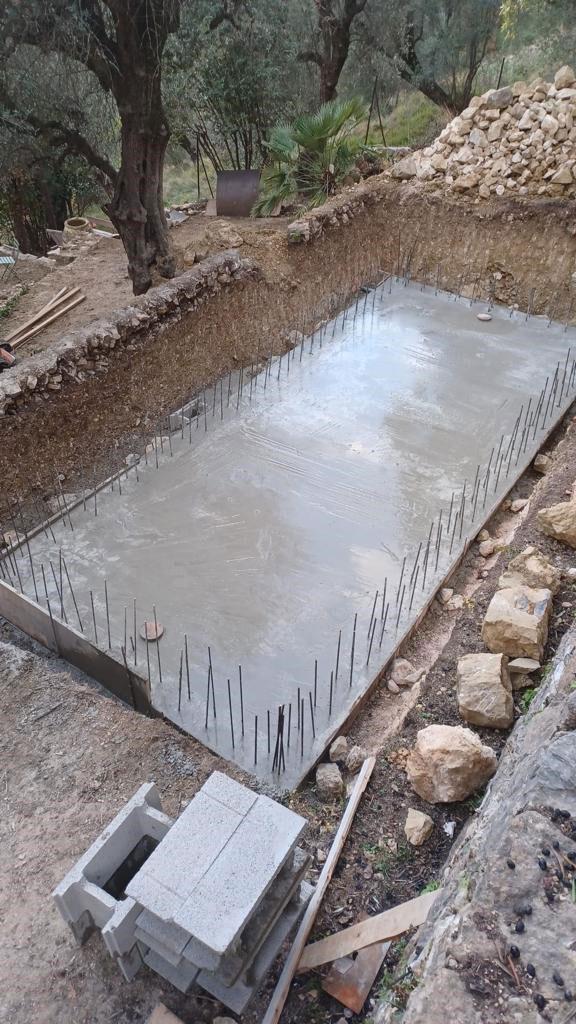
{"type": "Point", "coordinates": [137, 207]}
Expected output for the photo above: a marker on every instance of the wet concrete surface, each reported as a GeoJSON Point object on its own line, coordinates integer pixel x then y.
{"type": "Point", "coordinates": [281, 512]}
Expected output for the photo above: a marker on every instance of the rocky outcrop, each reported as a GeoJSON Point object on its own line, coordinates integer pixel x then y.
{"type": "Point", "coordinates": [559, 521]}
{"type": "Point", "coordinates": [519, 140]}
{"type": "Point", "coordinates": [532, 568]}
{"type": "Point", "coordinates": [484, 690]}
{"type": "Point", "coordinates": [86, 349]}
{"type": "Point", "coordinates": [448, 763]}
{"type": "Point", "coordinates": [516, 622]}
{"type": "Point", "coordinates": [506, 910]}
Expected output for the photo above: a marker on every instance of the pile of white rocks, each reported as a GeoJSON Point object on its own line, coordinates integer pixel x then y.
{"type": "Point", "coordinates": [520, 139]}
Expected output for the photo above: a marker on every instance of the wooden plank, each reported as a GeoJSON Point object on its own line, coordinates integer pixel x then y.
{"type": "Point", "coordinates": [383, 926]}
{"type": "Point", "coordinates": [350, 981]}
{"type": "Point", "coordinates": [45, 323]}
{"type": "Point", "coordinates": [55, 301]}
{"type": "Point", "coordinates": [274, 1011]}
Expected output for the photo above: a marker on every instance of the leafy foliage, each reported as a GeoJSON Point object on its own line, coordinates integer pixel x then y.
{"type": "Point", "coordinates": [310, 157]}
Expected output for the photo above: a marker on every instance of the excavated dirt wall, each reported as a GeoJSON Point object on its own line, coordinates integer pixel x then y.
{"type": "Point", "coordinates": [516, 251]}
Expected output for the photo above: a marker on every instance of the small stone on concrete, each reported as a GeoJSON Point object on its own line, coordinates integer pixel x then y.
{"type": "Point", "coordinates": [329, 781]}
{"type": "Point", "coordinates": [339, 749]}
{"type": "Point", "coordinates": [417, 827]}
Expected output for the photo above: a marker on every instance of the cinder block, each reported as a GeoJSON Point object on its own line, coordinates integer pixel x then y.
{"type": "Point", "coordinates": [163, 935]}
{"type": "Point", "coordinates": [171, 873]}
{"type": "Point", "coordinates": [181, 977]}
{"type": "Point", "coordinates": [230, 793]}
{"type": "Point", "coordinates": [81, 896]}
{"type": "Point", "coordinates": [118, 932]}
{"type": "Point", "coordinates": [237, 997]}
{"type": "Point", "coordinates": [224, 899]}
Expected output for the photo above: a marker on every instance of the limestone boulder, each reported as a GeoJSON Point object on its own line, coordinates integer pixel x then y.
{"type": "Point", "coordinates": [329, 781]}
{"type": "Point", "coordinates": [497, 99]}
{"type": "Point", "coordinates": [532, 568]}
{"type": "Point", "coordinates": [405, 168]}
{"type": "Point", "coordinates": [564, 77]}
{"type": "Point", "coordinates": [559, 521]}
{"type": "Point", "coordinates": [542, 464]}
{"type": "Point", "coordinates": [355, 759]}
{"type": "Point", "coordinates": [417, 827]}
{"type": "Point", "coordinates": [484, 690]}
{"type": "Point", "coordinates": [516, 622]}
{"type": "Point", "coordinates": [339, 749]}
{"type": "Point", "coordinates": [449, 763]}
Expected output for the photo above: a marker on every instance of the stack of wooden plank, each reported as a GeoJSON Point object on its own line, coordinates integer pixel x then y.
{"type": "Point", "coordinates": [65, 300]}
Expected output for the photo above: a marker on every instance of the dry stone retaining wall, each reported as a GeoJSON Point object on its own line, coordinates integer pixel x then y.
{"type": "Point", "coordinates": [86, 349]}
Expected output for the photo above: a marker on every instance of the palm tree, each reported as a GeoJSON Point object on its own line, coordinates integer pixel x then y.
{"type": "Point", "coordinates": [310, 157]}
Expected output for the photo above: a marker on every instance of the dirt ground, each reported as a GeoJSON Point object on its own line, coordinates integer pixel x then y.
{"type": "Point", "coordinates": [71, 755]}
{"type": "Point", "coordinates": [102, 274]}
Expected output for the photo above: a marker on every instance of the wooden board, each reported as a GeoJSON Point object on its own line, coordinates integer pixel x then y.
{"type": "Point", "coordinates": [274, 1011]}
{"type": "Point", "coordinates": [383, 926]}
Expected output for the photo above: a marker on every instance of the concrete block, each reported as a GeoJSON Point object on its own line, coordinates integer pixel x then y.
{"type": "Point", "coordinates": [118, 932]}
{"type": "Point", "coordinates": [222, 902]}
{"type": "Point", "coordinates": [130, 963]}
{"type": "Point", "coordinates": [245, 950]}
{"type": "Point", "coordinates": [181, 977]}
{"type": "Point", "coordinates": [161, 935]}
{"type": "Point", "coordinates": [237, 997]}
{"type": "Point", "coordinates": [230, 793]}
{"type": "Point", "coordinates": [81, 896]}
{"type": "Point", "coordinates": [171, 874]}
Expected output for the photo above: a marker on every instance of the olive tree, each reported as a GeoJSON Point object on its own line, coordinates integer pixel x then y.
{"type": "Point", "coordinates": [121, 44]}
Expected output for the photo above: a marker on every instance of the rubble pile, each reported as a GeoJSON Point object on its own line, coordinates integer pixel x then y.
{"type": "Point", "coordinates": [520, 139]}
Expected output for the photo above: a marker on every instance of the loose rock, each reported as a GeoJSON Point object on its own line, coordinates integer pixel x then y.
{"type": "Point", "coordinates": [449, 763]}
{"type": "Point", "coordinates": [518, 504]}
{"type": "Point", "coordinates": [516, 622]}
{"type": "Point", "coordinates": [418, 827]}
{"type": "Point", "coordinates": [523, 665]}
{"type": "Point", "coordinates": [339, 749]}
{"type": "Point", "coordinates": [559, 521]}
{"type": "Point", "coordinates": [486, 548]}
{"type": "Point", "coordinates": [484, 690]}
{"type": "Point", "coordinates": [355, 759]}
{"type": "Point", "coordinates": [329, 781]}
{"type": "Point", "coordinates": [542, 464]}
{"type": "Point", "coordinates": [532, 568]}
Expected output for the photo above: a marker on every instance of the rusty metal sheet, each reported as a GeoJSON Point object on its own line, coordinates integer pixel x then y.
{"type": "Point", "coordinates": [236, 192]}
{"type": "Point", "coordinates": [350, 979]}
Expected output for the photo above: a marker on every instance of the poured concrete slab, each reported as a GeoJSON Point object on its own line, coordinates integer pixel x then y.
{"type": "Point", "coordinates": [280, 511]}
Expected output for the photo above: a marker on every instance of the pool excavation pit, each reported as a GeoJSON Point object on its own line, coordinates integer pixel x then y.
{"type": "Point", "coordinates": [288, 531]}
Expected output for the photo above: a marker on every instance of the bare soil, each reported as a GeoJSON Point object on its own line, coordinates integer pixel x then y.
{"type": "Point", "coordinates": [71, 755]}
